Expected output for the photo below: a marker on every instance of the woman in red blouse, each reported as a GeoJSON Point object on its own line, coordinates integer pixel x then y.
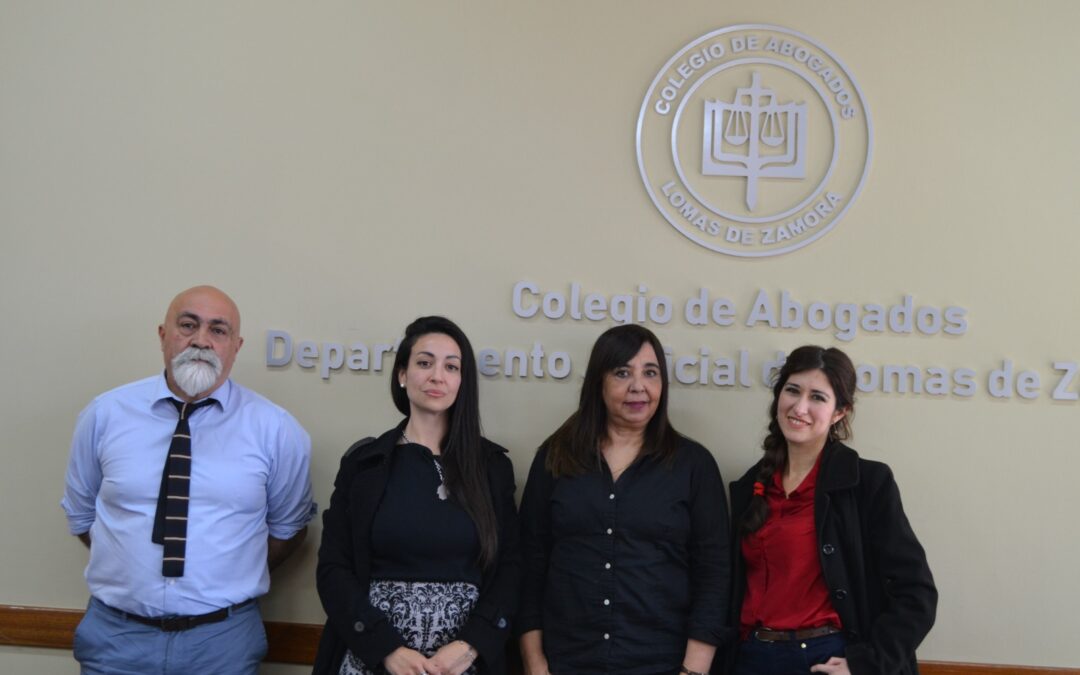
{"type": "Point", "coordinates": [831, 578]}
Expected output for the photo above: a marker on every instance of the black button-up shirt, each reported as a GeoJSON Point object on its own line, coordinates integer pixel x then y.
{"type": "Point", "coordinates": [619, 574]}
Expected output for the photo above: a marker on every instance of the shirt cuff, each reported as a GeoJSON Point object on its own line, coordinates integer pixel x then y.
{"type": "Point", "coordinates": [78, 522]}
{"type": "Point", "coordinates": [288, 530]}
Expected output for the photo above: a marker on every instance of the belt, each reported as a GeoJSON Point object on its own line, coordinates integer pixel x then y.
{"type": "Point", "coordinates": [172, 624]}
{"type": "Point", "coordinates": [767, 635]}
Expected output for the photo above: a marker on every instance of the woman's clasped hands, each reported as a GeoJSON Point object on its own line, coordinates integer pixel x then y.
{"type": "Point", "coordinates": [453, 658]}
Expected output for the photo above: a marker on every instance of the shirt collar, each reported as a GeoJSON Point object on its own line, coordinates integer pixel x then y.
{"type": "Point", "coordinates": [806, 487]}
{"type": "Point", "coordinates": [222, 394]}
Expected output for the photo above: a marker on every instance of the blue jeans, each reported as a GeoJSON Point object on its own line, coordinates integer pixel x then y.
{"type": "Point", "coordinates": [107, 643]}
{"type": "Point", "coordinates": [756, 657]}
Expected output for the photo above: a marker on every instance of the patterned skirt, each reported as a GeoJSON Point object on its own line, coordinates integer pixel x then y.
{"type": "Point", "coordinates": [427, 614]}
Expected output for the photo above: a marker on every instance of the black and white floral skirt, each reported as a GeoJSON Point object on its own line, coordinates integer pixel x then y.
{"type": "Point", "coordinates": [427, 614]}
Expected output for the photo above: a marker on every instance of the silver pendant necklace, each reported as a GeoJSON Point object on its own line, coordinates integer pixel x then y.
{"type": "Point", "coordinates": [441, 491]}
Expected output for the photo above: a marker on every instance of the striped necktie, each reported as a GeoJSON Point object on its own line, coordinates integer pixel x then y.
{"type": "Point", "coordinates": [170, 521]}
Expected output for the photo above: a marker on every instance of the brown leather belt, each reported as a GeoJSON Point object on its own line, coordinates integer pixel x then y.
{"type": "Point", "coordinates": [178, 623]}
{"type": "Point", "coordinates": [766, 635]}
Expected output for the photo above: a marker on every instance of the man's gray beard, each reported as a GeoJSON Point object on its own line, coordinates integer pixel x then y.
{"type": "Point", "coordinates": [196, 370]}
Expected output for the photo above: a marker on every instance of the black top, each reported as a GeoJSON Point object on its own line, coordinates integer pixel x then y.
{"type": "Point", "coordinates": [416, 536]}
{"type": "Point", "coordinates": [619, 575]}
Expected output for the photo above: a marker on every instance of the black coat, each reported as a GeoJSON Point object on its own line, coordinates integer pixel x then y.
{"type": "Point", "coordinates": [874, 567]}
{"type": "Point", "coordinates": [344, 567]}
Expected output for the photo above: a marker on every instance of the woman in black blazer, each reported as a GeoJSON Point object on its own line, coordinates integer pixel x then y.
{"type": "Point", "coordinates": [829, 576]}
{"type": "Point", "coordinates": [418, 567]}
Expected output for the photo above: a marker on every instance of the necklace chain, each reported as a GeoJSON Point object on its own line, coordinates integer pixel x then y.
{"type": "Point", "coordinates": [441, 492]}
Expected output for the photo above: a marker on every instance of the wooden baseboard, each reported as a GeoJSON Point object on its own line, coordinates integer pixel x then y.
{"type": "Point", "coordinates": [292, 642]}
{"type": "Point", "coordinates": [297, 642]}
{"type": "Point", "coordinates": [38, 626]}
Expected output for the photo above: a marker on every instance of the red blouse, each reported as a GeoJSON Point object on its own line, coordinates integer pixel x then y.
{"type": "Point", "coordinates": [785, 589]}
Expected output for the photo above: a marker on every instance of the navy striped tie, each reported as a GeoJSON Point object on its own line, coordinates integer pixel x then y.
{"type": "Point", "coordinates": [170, 521]}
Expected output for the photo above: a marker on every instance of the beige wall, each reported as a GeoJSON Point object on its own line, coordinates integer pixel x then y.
{"type": "Point", "coordinates": [341, 168]}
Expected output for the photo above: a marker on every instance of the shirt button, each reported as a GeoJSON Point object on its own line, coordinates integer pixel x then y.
{"type": "Point", "coordinates": [607, 566]}
{"type": "Point", "coordinates": [840, 594]}
{"type": "Point", "coordinates": [501, 623]}
{"type": "Point", "coordinates": [828, 549]}
{"type": "Point", "coordinates": [607, 636]}
{"type": "Point", "coordinates": [609, 530]}
{"type": "Point", "coordinates": [611, 496]}
{"type": "Point", "coordinates": [358, 626]}
{"type": "Point", "coordinates": [606, 602]}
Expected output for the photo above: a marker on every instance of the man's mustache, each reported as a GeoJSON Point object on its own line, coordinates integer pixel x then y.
{"type": "Point", "coordinates": [195, 354]}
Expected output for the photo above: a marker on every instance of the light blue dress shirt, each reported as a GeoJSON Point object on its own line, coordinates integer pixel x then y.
{"type": "Point", "coordinates": [249, 480]}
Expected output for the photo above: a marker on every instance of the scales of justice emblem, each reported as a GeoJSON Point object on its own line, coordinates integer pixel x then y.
{"type": "Point", "coordinates": [754, 137]}
{"type": "Point", "coordinates": [784, 135]}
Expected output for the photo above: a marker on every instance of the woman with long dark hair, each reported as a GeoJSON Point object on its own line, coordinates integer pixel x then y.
{"type": "Point", "coordinates": [418, 567]}
{"type": "Point", "coordinates": [624, 529]}
{"type": "Point", "coordinates": [829, 576]}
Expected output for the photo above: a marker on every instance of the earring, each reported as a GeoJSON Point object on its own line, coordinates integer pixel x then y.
{"type": "Point", "coordinates": [401, 384]}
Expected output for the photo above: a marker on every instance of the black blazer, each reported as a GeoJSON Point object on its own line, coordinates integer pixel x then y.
{"type": "Point", "coordinates": [874, 566]}
{"type": "Point", "coordinates": [344, 568]}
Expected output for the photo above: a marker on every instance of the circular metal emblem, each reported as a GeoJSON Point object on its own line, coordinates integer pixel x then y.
{"type": "Point", "coordinates": [753, 140]}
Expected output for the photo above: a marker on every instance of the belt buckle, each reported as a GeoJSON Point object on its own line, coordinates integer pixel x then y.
{"type": "Point", "coordinates": [760, 638]}
{"type": "Point", "coordinates": [175, 624]}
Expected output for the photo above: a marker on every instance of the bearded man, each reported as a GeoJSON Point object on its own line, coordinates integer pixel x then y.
{"type": "Point", "coordinates": [188, 489]}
